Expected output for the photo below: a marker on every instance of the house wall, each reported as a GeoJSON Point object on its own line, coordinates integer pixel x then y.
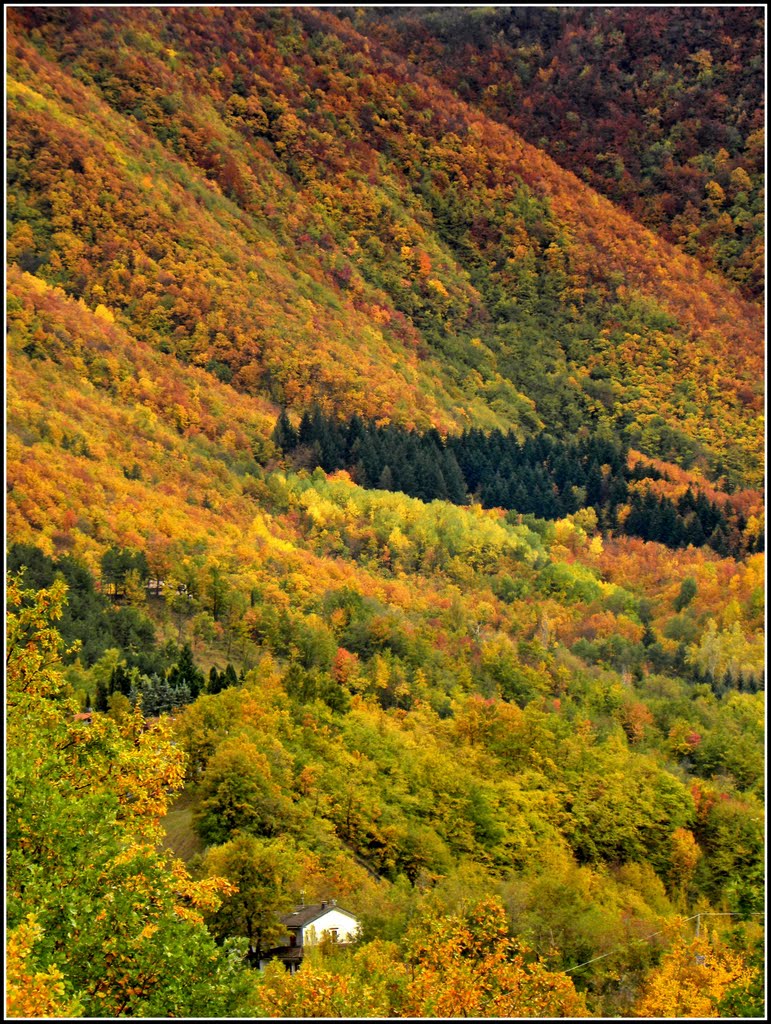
{"type": "Point", "coordinates": [333, 918]}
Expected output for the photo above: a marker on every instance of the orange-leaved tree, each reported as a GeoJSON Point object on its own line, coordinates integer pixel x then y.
{"type": "Point", "coordinates": [693, 979]}
{"type": "Point", "coordinates": [467, 966]}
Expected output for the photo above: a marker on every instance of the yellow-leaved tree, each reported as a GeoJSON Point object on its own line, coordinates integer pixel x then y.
{"type": "Point", "coordinates": [31, 992]}
{"type": "Point", "coordinates": [693, 979]}
{"type": "Point", "coordinates": [102, 921]}
{"type": "Point", "coordinates": [467, 966]}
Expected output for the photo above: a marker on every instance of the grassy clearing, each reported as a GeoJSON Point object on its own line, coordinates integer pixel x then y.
{"type": "Point", "coordinates": [178, 825]}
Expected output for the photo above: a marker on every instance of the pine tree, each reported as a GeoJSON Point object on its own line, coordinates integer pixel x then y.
{"type": "Point", "coordinates": [332, 446]}
{"type": "Point", "coordinates": [453, 479]}
{"type": "Point", "coordinates": [718, 541]}
{"type": "Point", "coordinates": [306, 434]}
{"type": "Point", "coordinates": [386, 481]}
{"type": "Point", "coordinates": [284, 434]}
{"type": "Point", "coordinates": [617, 491]}
{"type": "Point", "coordinates": [120, 680]}
{"type": "Point", "coordinates": [214, 685]}
{"type": "Point", "coordinates": [354, 432]}
{"type": "Point", "coordinates": [100, 703]}
{"type": "Point", "coordinates": [669, 528]}
{"type": "Point", "coordinates": [694, 532]}
{"type": "Point", "coordinates": [370, 460]}
{"type": "Point", "coordinates": [185, 671]}
{"type": "Point", "coordinates": [595, 485]}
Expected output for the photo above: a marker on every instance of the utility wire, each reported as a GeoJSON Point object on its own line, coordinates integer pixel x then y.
{"type": "Point", "coordinates": [694, 917]}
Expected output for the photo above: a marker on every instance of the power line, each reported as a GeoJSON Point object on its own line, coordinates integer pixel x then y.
{"type": "Point", "coordinates": [694, 917]}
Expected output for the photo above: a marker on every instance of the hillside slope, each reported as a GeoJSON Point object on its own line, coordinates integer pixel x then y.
{"type": "Point", "coordinates": [521, 686]}
{"type": "Point", "coordinates": [309, 219]}
{"type": "Point", "coordinates": [257, 261]}
{"type": "Point", "coordinates": [662, 112]}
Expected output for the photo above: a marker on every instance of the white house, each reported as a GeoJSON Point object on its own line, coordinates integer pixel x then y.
{"type": "Point", "coordinates": [308, 926]}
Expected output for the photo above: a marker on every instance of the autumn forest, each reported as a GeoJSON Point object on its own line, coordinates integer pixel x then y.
{"type": "Point", "coordinates": [385, 510]}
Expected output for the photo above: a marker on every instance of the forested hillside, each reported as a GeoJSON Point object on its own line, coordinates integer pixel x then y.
{"type": "Point", "coordinates": [274, 198]}
{"type": "Point", "coordinates": [660, 111]}
{"type": "Point", "coordinates": [384, 524]}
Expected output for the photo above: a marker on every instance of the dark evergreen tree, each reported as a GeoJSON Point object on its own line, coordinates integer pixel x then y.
{"type": "Point", "coordinates": [617, 490]}
{"type": "Point", "coordinates": [39, 570]}
{"type": "Point", "coordinates": [610, 519]}
{"type": "Point", "coordinates": [354, 432]}
{"type": "Point", "coordinates": [214, 684]}
{"type": "Point", "coordinates": [370, 459]}
{"type": "Point", "coordinates": [102, 694]}
{"type": "Point", "coordinates": [306, 434]}
{"type": "Point", "coordinates": [404, 478]}
{"type": "Point", "coordinates": [518, 497]}
{"type": "Point", "coordinates": [284, 434]}
{"type": "Point", "coordinates": [429, 482]}
{"type": "Point", "coordinates": [185, 672]}
{"type": "Point", "coordinates": [693, 532]}
{"type": "Point", "coordinates": [718, 541]}
{"type": "Point", "coordinates": [120, 680]}
{"type": "Point", "coordinates": [453, 478]}
{"type": "Point", "coordinates": [669, 527]}
{"type": "Point", "coordinates": [595, 485]}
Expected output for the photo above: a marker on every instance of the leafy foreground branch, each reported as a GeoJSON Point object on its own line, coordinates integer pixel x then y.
{"type": "Point", "coordinates": [102, 922]}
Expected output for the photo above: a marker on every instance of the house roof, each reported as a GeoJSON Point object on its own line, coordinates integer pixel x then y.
{"type": "Point", "coordinates": [306, 915]}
